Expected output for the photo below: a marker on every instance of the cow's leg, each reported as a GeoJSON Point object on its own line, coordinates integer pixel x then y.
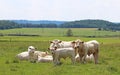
{"type": "Point", "coordinates": [81, 57]}
{"type": "Point", "coordinates": [95, 58]}
{"type": "Point", "coordinates": [55, 61]}
{"type": "Point", "coordinates": [58, 60]}
{"type": "Point", "coordinates": [76, 51]}
{"type": "Point", "coordinates": [73, 60]}
{"type": "Point", "coordinates": [84, 58]}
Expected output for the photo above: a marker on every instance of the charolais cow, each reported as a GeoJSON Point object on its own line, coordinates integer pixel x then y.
{"type": "Point", "coordinates": [88, 58]}
{"type": "Point", "coordinates": [63, 53]}
{"type": "Point", "coordinates": [61, 44]}
{"type": "Point", "coordinates": [47, 58]}
{"type": "Point", "coordinates": [87, 48]}
{"type": "Point", "coordinates": [23, 56]}
{"type": "Point", "coordinates": [33, 54]}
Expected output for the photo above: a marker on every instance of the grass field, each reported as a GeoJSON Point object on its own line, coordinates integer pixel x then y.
{"type": "Point", "coordinates": [109, 57]}
{"type": "Point", "coordinates": [79, 32]}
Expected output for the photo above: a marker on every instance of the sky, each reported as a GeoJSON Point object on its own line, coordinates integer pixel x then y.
{"type": "Point", "coordinates": [62, 10]}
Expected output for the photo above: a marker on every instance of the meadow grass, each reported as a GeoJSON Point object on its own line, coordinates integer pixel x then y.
{"type": "Point", "coordinates": [79, 32]}
{"type": "Point", "coordinates": [109, 57]}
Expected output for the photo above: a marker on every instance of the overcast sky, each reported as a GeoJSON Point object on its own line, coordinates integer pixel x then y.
{"type": "Point", "coordinates": [63, 10]}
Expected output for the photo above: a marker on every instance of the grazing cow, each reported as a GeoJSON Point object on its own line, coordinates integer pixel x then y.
{"type": "Point", "coordinates": [87, 48]}
{"type": "Point", "coordinates": [63, 53]}
{"type": "Point", "coordinates": [47, 58]}
{"type": "Point", "coordinates": [88, 58]}
{"type": "Point", "coordinates": [23, 56]}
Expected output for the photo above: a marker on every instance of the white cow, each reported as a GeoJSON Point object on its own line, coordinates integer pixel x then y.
{"type": "Point", "coordinates": [61, 44]}
{"type": "Point", "coordinates": [23, 56]}
{"type": "Point", "coordinates": [31, 54]}
{"type": "Point", "coordinates": [88, 58]}
{"type": "Point", "coordinates": [63, 53]}
{"type": "Point", "coordinates": [87, 48]}
{"type": "Point", "coordinates": [47, 58]}
{"type": "Point", "coordinates": [41, 53]}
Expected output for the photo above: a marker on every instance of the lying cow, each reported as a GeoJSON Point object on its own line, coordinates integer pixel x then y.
{"type": "Point", "coordinates": [33, 55]}
{"type": "Point", "coordinates": [88, 58]}
{"type": "Point", "coordinates": [87, 48]}
{"type": "Point", "coordinates": [63, 53]}
{"type": "Point", "coordinates": [47, 58]}
{"type": "Point", "coordinates": [23, 56]}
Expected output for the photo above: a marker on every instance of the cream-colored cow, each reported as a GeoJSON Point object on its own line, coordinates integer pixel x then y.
{"type": "Point", "coordinates": [63, 53]}
{"type": "Point", "coordinates": [61, 44]}
{"type": "Point", "coordinates": [87, 48]}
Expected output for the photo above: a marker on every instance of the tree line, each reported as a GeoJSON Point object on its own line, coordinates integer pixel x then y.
{"type": "Point", "coordinates": [100, 24]}
{"type": "Point", "coordinates": [6, 24]}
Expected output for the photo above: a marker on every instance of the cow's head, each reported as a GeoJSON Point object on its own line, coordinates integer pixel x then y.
{"type": "Point", "coordinates": [78, 43]}
{"type": "Point", "coordinates": [73, 44]}
{"type": "Point", "coordinates": [55, 44]}
{"type": "Point", "coordinates": [31, 49]}
{"type": "Point", "coordinates": [52, 50]}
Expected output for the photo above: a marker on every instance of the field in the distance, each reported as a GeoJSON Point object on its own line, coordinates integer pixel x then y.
{"type": "Point", "coordinates": [79, 32]}
{"type": "Point", "coordinates": [109, 57]}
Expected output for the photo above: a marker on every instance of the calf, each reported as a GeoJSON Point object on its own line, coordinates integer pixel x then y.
{"type": "Point", "coordinates": [63, 53]}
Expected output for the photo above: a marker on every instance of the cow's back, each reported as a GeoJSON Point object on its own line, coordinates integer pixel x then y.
{"type": "Point", "coordinates": [65, 52]}
{"type": "Point", "coordinates": [65, 44]}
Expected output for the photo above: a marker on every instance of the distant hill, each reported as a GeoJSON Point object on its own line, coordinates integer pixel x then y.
{"type": "Point", "coordinates": [38, 22]}
{"type": "Point", "coordinates": [86, 24]}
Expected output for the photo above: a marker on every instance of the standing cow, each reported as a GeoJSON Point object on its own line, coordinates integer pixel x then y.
{"type": "Point", "coordinates": [87, 48]}
{"type": "Point", "coordinates": [63, 53]}
{"type": "Point", "coordinates": [61, 44]}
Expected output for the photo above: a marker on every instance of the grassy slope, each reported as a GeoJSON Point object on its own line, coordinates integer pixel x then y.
{"type": "Point", "coordinates": [108, 60]}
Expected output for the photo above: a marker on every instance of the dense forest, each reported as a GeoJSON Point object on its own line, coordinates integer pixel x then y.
{"type": "Point", "coordinates": [100, 24]}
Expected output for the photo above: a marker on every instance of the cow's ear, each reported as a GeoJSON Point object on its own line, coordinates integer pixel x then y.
{"type": "Point", "coordinates": [73, 42]}
{"type": "Point", "coordinates": [48, 48]}
{"type": "Point", "coordinates": [82, 41]}
{"type": "Point", "coordinates": [60, 41]}
{"type": "Point", "coordinates": [46, 52]}
{"type": "Point", "coordinates": [51, 42]}
{"type": "Point", "coordinates": [35, 48]}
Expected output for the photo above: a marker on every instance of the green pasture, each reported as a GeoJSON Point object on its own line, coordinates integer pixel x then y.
{"type": "Point", "coordinates": [77, 32]}
{"type": "Point", "coordinates": [10, 46]}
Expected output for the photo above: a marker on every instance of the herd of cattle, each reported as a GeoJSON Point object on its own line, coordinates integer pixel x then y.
{"type": "Point", "coordinates": [77, 51]}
